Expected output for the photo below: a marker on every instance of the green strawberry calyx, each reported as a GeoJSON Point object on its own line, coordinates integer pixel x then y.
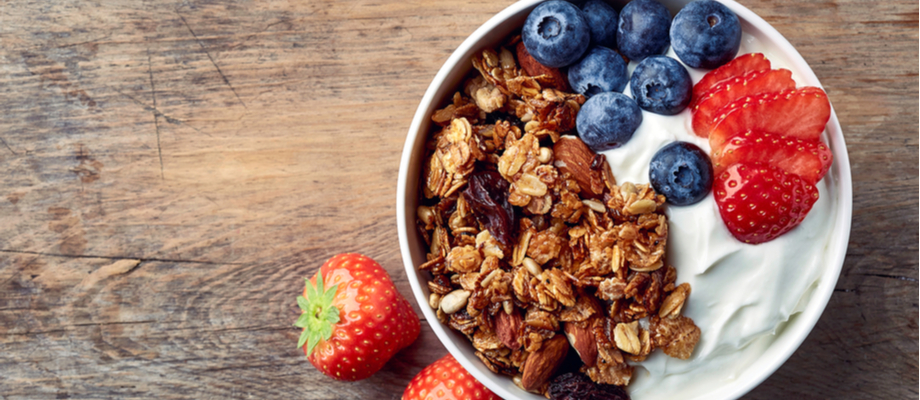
{"type": "Point", "coordinates": [319, 315]}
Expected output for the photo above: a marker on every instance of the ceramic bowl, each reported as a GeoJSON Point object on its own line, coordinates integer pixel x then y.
{"type": "Point", "coordinates": [446, 82]}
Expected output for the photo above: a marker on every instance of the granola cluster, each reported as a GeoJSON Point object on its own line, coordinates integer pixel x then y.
{"type": "Point", "coordinates": [533, 247]}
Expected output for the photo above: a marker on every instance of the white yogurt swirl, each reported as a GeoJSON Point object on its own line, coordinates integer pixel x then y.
{"type": "Point", "coordinates": [741, 294]}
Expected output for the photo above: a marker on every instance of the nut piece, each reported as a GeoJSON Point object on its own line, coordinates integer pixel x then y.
{"type": "Point", "coordinates": [628, 188]}
{"type": "Point", "coordinates": [582, 340]}
{"type": "Point", "coordinates": [488, 279]}
{"type": "Point", "coordinates": [532, 267]}
{"type": "Point", "coordinates": [574, 157]}
{"type": "Point", "coordinates": [454, 301]}
{"type": "Point", "coordinates": [595, 205]}
{"type": "Point", "coordinates": [545, 155]}
{"type": "Point", "coordinates": [518, 379]}
{"type": "Point", "coordinates": [543, 363]}
{"type": "Point", "coordinates": [643, 206]}
{"type": "Point", "coordinates": [532, 68]}
{"type": "Point", "coordinates": [507, 327]}
{"type": "Point", "coordinates": [426, 215]}
{"type": "Point", "coordinates": [434, 301]}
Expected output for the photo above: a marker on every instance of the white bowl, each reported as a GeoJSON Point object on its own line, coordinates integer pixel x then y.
{"type": "Point", "coordinates": [446, 82]}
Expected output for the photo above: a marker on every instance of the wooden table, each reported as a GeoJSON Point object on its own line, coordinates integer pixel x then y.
{"type": "Point", "coordinates": [171, 171]}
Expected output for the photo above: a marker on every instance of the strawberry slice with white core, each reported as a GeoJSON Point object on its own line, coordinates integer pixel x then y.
{"type": "Point", "coordinates": [759, 202]}
{"type": "Point", "coordinates": [799, 113]}
{"type": "Point", "coordinates": [809, 159]}
{"type": "Point", "coordinates": [705, 107]}
{"type": "Point", "coordinates": [739, 66]}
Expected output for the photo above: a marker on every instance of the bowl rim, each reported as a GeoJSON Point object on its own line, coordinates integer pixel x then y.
{"type": "Point", "coordinates": [800, 324]}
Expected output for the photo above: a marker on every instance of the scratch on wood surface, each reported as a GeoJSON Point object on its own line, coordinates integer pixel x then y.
{"type": "Point", "coordinates": [206, 52]}
{"type": "Point", "coordinates": [142, 259]}
{"type": "Point", "coordinates": [78, 325]}
{"type": "Point", "coordinates": [157, 112]}
{"type": "Point", "coordinates": [7, 146]}
{"type": "Point", "coordinates": [201, 329]}
{"type": "Point", "coordinates": [116, 268]}
{"type": "Point", "coordinates": [94, 42]}
{"type": "Point", "coordinates": [898, 277]}
{"type": "Point", "coordinates": [156, 119]}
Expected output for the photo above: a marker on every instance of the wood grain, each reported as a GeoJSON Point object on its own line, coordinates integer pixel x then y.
{"type": "Point", "coordinates": [172, 169]}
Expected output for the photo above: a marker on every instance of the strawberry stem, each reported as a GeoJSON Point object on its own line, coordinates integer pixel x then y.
{"type": "Point", "coordinates": [319, 315]}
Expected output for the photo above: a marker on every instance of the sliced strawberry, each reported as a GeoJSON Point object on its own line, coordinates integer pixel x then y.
{"type": "Point", "coordinates": [706, 106]}
{"type": "Point", "coordinates": [800, 113]}
{"type": "Point", "coordinates": [739, 66]}
{"type": "Point", "coordinates": [759, 202]}
{"type": "Point", "coordinates": [809, 159]}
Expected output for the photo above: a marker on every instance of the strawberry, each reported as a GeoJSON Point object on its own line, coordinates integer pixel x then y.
{"type": "Point", "coordinates": [800, 113]}
{"type": "Point", "coordinates": [737, 67]}
{"type": "Point", "coordinates": [707, 105]}
{"type": "Point", "coordinates": [809, 159]}
{"type": "Point", "coordinates": [446, 379]}
{"type": "Point", "coordinates": [352, 328]}
{"type": "Point", "coordinates": [759, 202]}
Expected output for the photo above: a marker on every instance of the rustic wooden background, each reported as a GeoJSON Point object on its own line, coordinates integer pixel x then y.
{"type": "Point", "coordinates": [172, 169]}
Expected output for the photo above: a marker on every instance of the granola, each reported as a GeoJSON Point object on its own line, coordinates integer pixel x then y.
{"type": "Point", "coordinates": [530, 236]}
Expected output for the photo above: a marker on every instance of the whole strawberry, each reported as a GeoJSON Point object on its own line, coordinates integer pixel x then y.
{"type": "Point", "coordinates": [446, 379]}
{"type": "Point", "coordinates": [354, 320]}
{"type": "Point", "coordinates": [759, 202]}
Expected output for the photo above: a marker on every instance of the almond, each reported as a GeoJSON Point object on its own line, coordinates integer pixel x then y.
{"type": "Point", "coordinates": [582, 340]}
{"type": "Point", "coordinates": [543, 363]}
{"type": "Point", "coordinates": [575, 158]}
{"type": "Point", "coordinates": [533, 68]}
{"type": "Point", "coordinates": [507, 328]}
{"type": "Point", "coordinates": [454, 301]}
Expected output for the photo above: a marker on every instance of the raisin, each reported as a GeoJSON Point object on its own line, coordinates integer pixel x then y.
{"type": "Point", "coordinates": [576, 386]}
{"type": "Point", "coordinates": [498, 117]}
{"type": "Point", "coordinates": [487, 195]}
{"type": "Point", "coordinates": [597, 161]}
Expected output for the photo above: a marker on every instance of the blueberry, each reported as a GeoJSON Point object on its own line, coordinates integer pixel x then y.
{"type": "Point", "coordinates": [682, 172]}
{"type": "Point", "coordinates": [608, 120]}
{"type": "Point", "coordinates": [602, 70]}
{"type": "Point", "coordinates": [556, 34]}
{"type": "Point", "coordinates": [602, 22]}
{"type": "Point", "coordinates": [661, 85]}
{"type": "Point", "coordinates": [643, 29]}
{"type": "Point", "coordinates": [706, 34]}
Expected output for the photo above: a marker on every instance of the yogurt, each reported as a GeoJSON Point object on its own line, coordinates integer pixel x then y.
{"type": "Point", "coordinates": [742, 294]}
